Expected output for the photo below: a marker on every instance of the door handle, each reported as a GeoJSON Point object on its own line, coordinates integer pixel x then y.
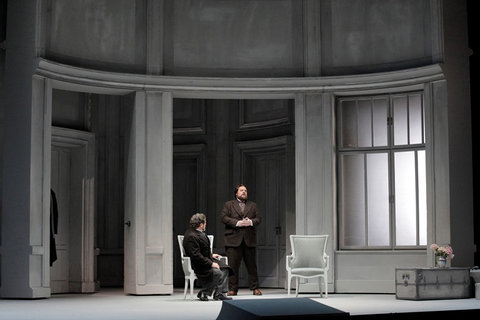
{"type": "Point", "coordinates": [278, 231]}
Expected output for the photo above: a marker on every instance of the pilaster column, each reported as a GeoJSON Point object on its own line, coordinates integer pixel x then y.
{"type": "Point", "coordinates": [26, 151]}
{"type": "Point", "coordinates": [314, 163]}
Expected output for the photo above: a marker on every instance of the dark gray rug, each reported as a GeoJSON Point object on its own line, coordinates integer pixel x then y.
{"type": "Point", "coordinates": [288, 308]}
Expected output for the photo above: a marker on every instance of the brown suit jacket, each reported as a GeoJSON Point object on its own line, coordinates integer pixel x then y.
{"type": "Point", "coordinates": [231, 214]}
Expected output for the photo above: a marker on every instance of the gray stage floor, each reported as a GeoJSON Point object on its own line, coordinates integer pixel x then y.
{"type": "Point", "coordinates": [114, 304]}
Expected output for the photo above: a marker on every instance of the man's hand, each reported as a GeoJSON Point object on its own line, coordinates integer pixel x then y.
{"type": "Point", "coordinates": [244, 223]}
{"type": "Point", "coordinates": [215, 265]}
{"type": "Point", "coordinates": [241, 223]}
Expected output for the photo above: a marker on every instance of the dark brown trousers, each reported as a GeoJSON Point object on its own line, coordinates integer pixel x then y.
{"type": "Point", "coordinates": [235, 256]}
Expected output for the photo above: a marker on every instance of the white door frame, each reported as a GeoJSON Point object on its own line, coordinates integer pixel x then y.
{"type": "Point", "coordinates": [81, 236]}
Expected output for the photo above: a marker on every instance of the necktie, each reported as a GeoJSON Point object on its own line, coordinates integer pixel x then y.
{"type": "Point", "coordinates": [242, 206]}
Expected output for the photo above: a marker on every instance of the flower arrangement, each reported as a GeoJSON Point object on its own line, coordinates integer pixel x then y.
{"type": "Point", "coordinates": [445, 252]}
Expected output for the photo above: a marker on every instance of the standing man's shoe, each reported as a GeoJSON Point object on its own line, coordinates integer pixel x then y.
{"type": "Point", "coordinates": [202, 296]}
{"type": "Point", "coordinates": [232, 293]}
{"type": "Point", "coordinates": [257, 292]}
{"type": "Point", "coordinates": [221, 296]}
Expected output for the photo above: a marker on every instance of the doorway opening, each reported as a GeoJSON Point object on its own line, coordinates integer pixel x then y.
{"type": "Point", "coordinates": [221, 143]}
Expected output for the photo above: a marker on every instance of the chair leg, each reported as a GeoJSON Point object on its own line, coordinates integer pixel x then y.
{"type": "Point", "coordinates": [192, 282]}
{"type": "Point", "coordinates": [297, 288]}
{"type": "Point", "coordinates": [320, 286]}
{"type": "Point", "coordinates": [185, 289]}
{"type": "Point", "coordinates": [289, 285]}
{"type": "Point", "coordinates": [325, 284]}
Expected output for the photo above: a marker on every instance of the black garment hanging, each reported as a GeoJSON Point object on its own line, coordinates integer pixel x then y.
{"type": "Point", "coordinates": [53, 226]}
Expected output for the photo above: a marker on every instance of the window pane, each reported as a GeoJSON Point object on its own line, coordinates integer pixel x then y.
{"type": "Point", "coordinates": [422, 198]}
{"type": "Point", "coordinates": [405, 198]}
{"type": "Point", "coordinates": [377, 200]}
{"type": "Point", "coordinates": [416, 119]}
{"type": "Point", "coordinates": [353, 199]}
{"type": "Point", "coordinates": [400, 121]}
{"type": "Point", "coordinates": [380, 127]}
{"type": "Point", "coordinates": [365, 123]}
{"type": "Point", "coordinates": [348, 131]}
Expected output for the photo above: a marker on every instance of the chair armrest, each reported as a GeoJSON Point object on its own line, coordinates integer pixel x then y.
{"type": "Point", "coordinates": [289, 259]}
{"type": "Point", "coordinates": [327, 262]}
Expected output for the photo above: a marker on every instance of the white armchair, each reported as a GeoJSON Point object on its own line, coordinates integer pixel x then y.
{"type": "Point", "coordinates": [308, 260]}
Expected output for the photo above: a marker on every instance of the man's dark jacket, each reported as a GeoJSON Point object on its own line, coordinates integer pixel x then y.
{"type": "Point", "coordinates": [197, 247]}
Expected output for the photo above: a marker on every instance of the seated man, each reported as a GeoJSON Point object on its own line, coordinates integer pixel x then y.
{"type": "Point", "coordinates": [207, 266]}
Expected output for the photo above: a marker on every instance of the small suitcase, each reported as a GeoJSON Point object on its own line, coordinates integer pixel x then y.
{"type": "Point", "coordinates": [432, 283]}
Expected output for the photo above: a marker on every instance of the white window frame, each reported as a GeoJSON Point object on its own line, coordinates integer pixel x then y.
{"type": "Point", "coordinates": [352, 238]}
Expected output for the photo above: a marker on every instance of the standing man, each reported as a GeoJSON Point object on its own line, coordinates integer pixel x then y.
{"type": "Point", "coordinates": [240, 217]}
{"type": "Point", "coordinates": [206, 265]}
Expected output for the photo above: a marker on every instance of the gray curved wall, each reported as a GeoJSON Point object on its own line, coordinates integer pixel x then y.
{"type": "Point", "coordinates": [254, 38]}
